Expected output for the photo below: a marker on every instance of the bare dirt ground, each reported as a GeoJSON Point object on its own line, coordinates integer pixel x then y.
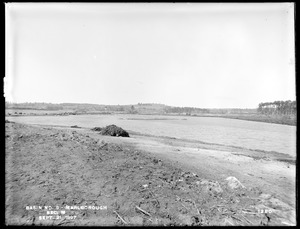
{"type": "Point", "coordinates": [141, 180]}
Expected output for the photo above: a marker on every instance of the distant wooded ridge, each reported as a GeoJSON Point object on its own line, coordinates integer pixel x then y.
{"type": "Point", "coordinates": [276, 107]}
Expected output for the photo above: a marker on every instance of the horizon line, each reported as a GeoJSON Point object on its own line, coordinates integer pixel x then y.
{"type": "Point", "coordinates": [129, 105]}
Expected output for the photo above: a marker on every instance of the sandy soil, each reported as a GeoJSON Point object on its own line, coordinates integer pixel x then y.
{"type": "Point", "coordinates": [272, 173]}
{"type": "Point", "coordinates": [141, 180]}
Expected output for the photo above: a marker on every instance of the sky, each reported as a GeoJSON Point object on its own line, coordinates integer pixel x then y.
{"type": "Point", "coordinates": [206, 55]}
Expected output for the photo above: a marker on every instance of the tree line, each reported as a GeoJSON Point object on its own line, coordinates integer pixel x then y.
{"type": "Point", "coordinates": [278, 107]}
{"type": "Point", "coordinates": [186, 110]}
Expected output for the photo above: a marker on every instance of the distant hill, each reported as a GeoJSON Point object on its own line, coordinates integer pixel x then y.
{"type": "Point", "coordinates": [140, 108]}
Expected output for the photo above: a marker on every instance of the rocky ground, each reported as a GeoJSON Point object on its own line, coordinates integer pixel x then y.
{"type": "Point", "coordinates": [119, 185]}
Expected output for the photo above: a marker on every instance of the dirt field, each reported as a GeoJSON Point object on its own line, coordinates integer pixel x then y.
{"type": "Point", "coordinates": [141, 180]}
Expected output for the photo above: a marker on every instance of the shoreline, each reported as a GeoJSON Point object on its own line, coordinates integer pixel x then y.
{"type": "Point", "coordinates": [270, 153]}
{"type": "Point", "coordinates": [280, 120]}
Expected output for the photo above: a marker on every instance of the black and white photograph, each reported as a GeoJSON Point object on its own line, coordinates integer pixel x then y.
{"type": "Point", "coordinates": [150, 114]}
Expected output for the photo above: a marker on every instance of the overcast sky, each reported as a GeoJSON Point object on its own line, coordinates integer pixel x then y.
{"type": "Point", "coordinates": [201, 55]}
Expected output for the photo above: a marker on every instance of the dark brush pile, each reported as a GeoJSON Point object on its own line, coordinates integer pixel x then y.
{"type": "Point", "coordinates": [114, 130]}
{"type": "Point", "coordinates": [75, 126]}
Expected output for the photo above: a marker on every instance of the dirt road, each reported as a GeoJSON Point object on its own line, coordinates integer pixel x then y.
{"type": "Point", "coordinates": [61, 176]}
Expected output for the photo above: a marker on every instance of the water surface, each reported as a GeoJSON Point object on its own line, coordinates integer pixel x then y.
{"type": "Point", "coordinates": [247, 134]}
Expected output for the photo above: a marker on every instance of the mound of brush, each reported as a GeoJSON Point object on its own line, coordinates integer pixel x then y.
{"type": "Point", "coordinates": [112, 130]}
